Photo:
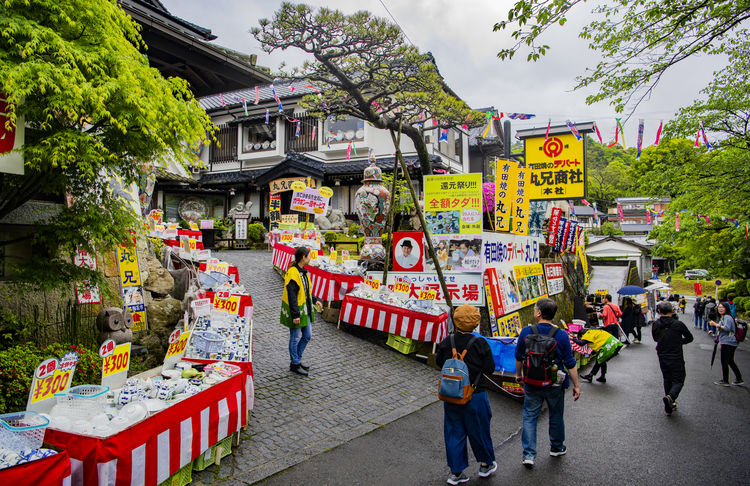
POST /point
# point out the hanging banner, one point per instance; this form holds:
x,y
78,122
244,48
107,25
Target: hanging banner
x,y
553,227
86,293
531,285
311,200
584,265
453,204
131,287
521,204
492,298
457,254
553,272
509,325
408,252
570,243
561,235
557,166
274,211
11,141
505,177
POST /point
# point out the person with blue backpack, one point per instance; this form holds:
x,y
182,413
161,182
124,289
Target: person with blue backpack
x,y
467,412
543,353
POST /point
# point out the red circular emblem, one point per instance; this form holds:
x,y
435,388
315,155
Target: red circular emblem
x,y
553,147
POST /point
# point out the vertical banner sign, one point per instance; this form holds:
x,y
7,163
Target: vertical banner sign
x,y
505,178
51,377
240,229
131,287
274,210
553,272
584,265
560,235
509,325
11,139
698,288
491,301
86,293
521,204
453,204
557,167
570,245
677,221
554,226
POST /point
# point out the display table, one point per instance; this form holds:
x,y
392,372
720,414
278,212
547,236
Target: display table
x,y
52,471
394,320
176,243
234,272
149,452
197,235
283,256
330,286
246,303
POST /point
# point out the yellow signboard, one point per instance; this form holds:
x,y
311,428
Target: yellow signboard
x,y
509,325
557,167
505,184
127,263
521,203
602,291
531,283
453,204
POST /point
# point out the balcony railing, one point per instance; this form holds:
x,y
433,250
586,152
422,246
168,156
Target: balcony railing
x,y
304,142
224,149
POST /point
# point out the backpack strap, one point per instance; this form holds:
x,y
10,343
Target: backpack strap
x,y
453,347
534,329
552,330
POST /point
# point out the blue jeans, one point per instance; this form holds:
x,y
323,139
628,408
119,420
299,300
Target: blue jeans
x,y
532,407
699,321
298,339
472,420
706,327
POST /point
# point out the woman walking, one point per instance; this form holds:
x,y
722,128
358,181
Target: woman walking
x,y
631,315
725,329
297,309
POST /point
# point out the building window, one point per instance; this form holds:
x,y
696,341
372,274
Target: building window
x,y
345,130
258,137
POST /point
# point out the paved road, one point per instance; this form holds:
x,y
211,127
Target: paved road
x,y
344,426
607,277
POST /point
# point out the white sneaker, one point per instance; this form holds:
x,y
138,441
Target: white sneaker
x,y
485,471
528,462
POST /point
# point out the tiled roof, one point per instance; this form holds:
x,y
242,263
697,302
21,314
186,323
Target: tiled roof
x,y
164,175
230,177
636,228
235,98
587,211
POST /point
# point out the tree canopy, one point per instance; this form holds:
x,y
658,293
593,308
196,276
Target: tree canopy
x,y
92,108
364,68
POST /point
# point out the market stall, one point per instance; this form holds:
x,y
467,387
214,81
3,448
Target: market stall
x,y
331,286
283,256
52,470
232,271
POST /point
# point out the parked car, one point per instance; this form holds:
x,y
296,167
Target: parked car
x,y
697,273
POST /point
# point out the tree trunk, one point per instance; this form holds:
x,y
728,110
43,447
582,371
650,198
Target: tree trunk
x,y
416,136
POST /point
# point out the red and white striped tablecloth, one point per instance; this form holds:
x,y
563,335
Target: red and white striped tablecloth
x,y
151,451
53,471
331,286
283,256
394,320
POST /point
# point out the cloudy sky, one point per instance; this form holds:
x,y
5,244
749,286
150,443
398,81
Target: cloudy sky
x,y
460,36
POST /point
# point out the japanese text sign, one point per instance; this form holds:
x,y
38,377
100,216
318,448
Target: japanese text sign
x,y
290,218
285,183
521,203
178,346
453,204
51,377
463,288
554,274
509,325
274,210
554,226
131,289
505,184
127,264
115,364
557,167
310,201
230,304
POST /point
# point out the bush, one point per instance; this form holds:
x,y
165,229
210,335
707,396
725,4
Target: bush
x,y
17,366
732,287
353,230
331,236
723,293
739,304
731,296
741,287
255,232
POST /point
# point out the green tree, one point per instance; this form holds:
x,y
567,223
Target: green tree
x,y
639,40
92,108
607,229
365,69
608,173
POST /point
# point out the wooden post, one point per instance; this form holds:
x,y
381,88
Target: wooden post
x,y
389,228
426,232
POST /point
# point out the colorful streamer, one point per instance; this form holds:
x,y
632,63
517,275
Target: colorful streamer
x,y
443,135
572,208
299,127
622,131
619,210
703,132
244,106
519,116
697,140
677,221
596,129
221,97
658,132
348,151
257,95
648,216
312,136
267,116
639,143
585,202
617,136
276,97
549,124
573,130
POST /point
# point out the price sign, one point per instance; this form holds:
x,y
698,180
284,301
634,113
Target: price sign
x,y
427,295
160,228
201,307
345,255
402,286
602,291
313,254
117,362
374,283
174,336
286,236
229,304
193,226
178,346
50,377
332,256
107,348
217,266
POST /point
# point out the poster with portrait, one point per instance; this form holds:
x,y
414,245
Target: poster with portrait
x,y
408,252
531,283
457,253
501,252
503,290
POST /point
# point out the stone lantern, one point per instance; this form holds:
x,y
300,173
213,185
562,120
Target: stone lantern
x,y
371,202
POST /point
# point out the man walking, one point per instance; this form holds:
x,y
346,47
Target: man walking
x,y
670,335
552,393
698,313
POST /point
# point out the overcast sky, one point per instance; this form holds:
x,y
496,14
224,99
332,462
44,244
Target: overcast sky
x,y
460,36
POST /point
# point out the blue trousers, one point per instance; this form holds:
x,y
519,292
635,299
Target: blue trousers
x,y
699,321
532,407
473,421
298,339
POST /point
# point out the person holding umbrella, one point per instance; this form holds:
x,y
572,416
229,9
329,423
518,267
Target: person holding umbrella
x,y
670,335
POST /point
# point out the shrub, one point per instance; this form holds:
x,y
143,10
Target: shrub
x,y
331,236
732,287
255,232
353,230
741,287
722,293
17,366
731,296
739,304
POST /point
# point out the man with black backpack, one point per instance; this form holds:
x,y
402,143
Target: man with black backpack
x,y
670,335
710,313
466,418
543,353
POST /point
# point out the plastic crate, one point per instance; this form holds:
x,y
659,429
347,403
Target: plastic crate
x,y
183,477
402,344
82,401
224,448
22,430
208,341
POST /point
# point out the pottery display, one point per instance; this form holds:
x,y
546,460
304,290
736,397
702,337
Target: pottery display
x,y
371,203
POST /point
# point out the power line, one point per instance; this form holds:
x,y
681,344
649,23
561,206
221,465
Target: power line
x,y
396,22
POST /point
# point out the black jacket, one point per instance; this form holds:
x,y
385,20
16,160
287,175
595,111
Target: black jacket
x,y
478,358
670,335
293,289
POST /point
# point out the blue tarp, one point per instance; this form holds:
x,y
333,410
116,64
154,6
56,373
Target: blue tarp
x,y
503,351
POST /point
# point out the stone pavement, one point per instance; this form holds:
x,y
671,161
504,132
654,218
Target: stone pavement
x,y
354,387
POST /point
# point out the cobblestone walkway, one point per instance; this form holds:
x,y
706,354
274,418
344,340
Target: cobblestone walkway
x,y
354,386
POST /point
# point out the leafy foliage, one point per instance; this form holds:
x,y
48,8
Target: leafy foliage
x,y
607,229
403,202
92,108
255,232
365,69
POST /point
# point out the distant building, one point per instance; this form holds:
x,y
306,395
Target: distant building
x,y
585,217
634,211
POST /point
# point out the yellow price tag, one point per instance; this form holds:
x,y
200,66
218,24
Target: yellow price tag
x,y
230,304
193,225
345,255
402,287
54,383
374,283
221,267
332,257
313,254
427,295
286,237
117,362
178,346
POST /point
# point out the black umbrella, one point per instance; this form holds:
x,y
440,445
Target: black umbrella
x,y
713,355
